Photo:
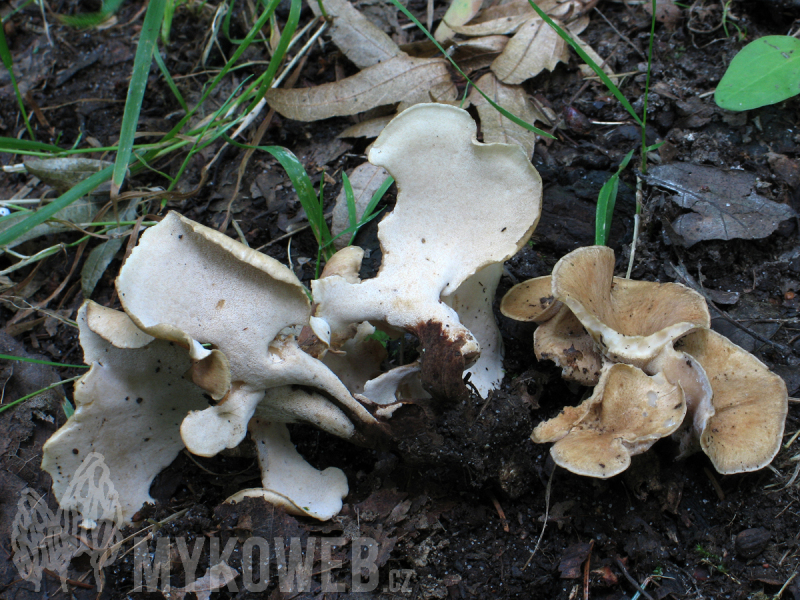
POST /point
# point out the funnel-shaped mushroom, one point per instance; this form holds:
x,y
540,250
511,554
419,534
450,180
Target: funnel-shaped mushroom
x,y
461,206
193,285
627,413
630,321
129,408
560,336
750,404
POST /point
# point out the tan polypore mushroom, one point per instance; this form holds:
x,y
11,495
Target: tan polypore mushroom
x,y
461,206
750,404
560,336
630,321
627,413
193,285
129,408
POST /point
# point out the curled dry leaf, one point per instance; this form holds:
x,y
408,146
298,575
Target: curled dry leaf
x,y
495,127
401,79
478,53
535,47
355,35
459,12
369,129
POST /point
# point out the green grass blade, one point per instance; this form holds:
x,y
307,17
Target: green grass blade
x,y
133,103
350,197
587,59
606,200
495,105
39,362
168,78
5,56
14,146
37,392
67,408
41,215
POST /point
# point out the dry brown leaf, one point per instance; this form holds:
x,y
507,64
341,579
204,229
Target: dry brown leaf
x,y
579,25
501,26
495,127
459,12
478,53
354,34
368,129
534,47
400,79
366,178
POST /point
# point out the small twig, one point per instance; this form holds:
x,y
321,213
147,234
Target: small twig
x,y
586,572
290,234
680,269
500,512
620,34
714,484
636,220
632,581
546,516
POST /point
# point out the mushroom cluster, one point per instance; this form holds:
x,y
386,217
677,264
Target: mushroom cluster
x,y
216,340
657,367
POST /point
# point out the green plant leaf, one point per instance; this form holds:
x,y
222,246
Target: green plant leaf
x,y
766,71
12,145
87,20
606,200
39,362
133,103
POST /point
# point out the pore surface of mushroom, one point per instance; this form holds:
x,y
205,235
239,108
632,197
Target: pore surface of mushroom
x,y
627,413
191,284
129,408
461,206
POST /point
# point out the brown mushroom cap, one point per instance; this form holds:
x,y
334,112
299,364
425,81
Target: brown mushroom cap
x,y
627,413
750,404
531,300
565,341
631,321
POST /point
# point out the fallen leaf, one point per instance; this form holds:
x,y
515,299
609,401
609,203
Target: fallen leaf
x,y
216,578
501,26
495,127
458,13
586,70
572,559
535,47
401,79
370,128
478,53
365,179
358,39
725,203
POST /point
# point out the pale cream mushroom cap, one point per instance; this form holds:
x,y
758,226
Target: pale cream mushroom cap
x,y
186,281
129,408
631,321
288,480
461,206
627,413
531,300
750,404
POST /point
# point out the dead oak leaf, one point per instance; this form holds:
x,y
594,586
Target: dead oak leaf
x,y
402,79
535,47
724,204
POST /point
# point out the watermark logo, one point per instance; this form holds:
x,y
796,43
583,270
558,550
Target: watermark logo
x,y
46,540
87,523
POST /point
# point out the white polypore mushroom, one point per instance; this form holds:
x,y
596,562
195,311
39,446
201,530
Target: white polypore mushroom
x,y
288,480
461,206
630,321
193,285
129,408
473,302
750,404
627,413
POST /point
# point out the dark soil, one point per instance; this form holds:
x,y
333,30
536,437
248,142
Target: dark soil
x,y
462,499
